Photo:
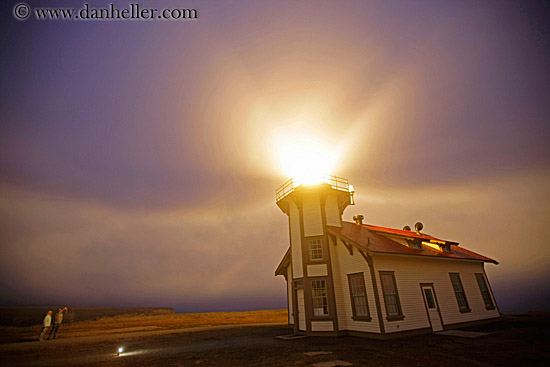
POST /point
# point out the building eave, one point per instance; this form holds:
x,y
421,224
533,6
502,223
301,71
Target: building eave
x,y
349,241
285,261
435,257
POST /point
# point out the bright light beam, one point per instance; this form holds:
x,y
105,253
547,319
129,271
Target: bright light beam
x,y
304,156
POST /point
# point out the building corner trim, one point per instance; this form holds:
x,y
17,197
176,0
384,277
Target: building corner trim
x,y
368,259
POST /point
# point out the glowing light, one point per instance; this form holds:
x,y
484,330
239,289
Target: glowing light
x,y
303,155
120,350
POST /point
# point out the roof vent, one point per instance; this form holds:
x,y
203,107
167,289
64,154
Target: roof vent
x,y
418,227
407,228
358,219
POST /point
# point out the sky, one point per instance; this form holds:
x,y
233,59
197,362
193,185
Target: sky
x,y
139,159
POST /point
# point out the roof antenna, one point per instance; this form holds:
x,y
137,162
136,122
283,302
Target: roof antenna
x,y
418,227
358,219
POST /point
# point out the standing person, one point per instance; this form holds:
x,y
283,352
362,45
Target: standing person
x,y
57,322
46,323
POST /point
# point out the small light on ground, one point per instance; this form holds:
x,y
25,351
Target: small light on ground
x,y
120,351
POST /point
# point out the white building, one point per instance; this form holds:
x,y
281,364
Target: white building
x,y
356,279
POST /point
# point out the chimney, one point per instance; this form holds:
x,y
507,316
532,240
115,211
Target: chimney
x,y
358,219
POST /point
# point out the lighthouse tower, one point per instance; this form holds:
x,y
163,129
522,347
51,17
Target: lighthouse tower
x,y
310,208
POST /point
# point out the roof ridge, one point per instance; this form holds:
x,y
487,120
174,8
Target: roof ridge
x,y
402,232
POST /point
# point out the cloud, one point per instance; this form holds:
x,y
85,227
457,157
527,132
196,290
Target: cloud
x,y
140,167
203,257
84,252
501,216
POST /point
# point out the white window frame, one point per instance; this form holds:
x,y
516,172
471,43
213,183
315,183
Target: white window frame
x,y
315,249
319,298
460,293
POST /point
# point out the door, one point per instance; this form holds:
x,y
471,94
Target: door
x,y
301,310
432,308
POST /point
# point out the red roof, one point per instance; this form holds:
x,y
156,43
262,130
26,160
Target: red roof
x,y
402,232
367,237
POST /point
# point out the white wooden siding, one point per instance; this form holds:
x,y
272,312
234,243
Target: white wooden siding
x,y
289,294
301,310
411,271
313,224
322,326
295,241
332,211
317,270
342,264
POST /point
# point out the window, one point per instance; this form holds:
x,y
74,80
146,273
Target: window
x,y
485,292
459,292
319,296
391,297
315,248
358,293
429,297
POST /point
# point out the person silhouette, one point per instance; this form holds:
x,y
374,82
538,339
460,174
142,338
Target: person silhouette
x,y
46,323
58,319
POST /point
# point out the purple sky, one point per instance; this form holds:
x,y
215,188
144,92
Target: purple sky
x,y
136,157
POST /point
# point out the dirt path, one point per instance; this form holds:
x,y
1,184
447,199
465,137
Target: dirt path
x,y
68,341
512,342
141,348
162,345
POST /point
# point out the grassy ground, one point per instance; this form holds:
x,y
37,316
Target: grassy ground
x,y
33,315
516,340
145,322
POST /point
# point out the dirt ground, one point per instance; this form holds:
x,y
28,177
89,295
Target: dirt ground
x,y
520,340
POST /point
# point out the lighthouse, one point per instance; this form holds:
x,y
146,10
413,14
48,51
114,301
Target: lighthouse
x,y
354,278
311,207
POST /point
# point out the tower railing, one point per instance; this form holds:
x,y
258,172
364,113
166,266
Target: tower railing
x,y
335,182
